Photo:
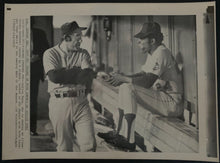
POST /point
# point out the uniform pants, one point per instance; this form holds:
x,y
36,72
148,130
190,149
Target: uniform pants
x,y
71,118
155,101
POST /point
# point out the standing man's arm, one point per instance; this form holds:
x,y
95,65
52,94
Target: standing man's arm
x,y
56,74
87,74
63,76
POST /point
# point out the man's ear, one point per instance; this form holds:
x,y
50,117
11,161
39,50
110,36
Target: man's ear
x,y
67,38
152,41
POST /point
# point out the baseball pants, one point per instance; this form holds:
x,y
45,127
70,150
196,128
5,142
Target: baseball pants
x,y
155,101
73,125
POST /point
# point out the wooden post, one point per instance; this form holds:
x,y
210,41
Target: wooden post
x,y
132,42
171,34
116,58
106,56
98,46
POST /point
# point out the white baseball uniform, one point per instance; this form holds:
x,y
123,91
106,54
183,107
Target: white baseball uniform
x,y
70,116
167,100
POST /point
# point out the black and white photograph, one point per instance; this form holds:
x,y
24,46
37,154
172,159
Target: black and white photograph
x,y
112,84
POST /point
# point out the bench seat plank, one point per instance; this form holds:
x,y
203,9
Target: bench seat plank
x,y
174,132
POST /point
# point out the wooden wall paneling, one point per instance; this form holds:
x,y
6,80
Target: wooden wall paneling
x,y
101,34
132,44
116,58
138,57
57,36
124,30
163,21
112,49
171,41
98,46
106,55
211,111
185,45
195,71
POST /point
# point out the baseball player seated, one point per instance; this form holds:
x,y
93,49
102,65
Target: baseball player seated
x,y
69,74
163,88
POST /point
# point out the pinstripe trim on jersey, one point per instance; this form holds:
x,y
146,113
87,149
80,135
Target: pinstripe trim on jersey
x,y
78,57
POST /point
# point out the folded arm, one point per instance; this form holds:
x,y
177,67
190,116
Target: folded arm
x,y
149,79
63,76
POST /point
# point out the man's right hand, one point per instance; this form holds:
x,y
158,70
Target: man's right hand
x,y
102,75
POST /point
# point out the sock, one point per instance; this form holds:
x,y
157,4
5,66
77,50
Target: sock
x,y
130,127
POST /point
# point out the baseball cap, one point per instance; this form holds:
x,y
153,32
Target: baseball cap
x,y
69,28
147,29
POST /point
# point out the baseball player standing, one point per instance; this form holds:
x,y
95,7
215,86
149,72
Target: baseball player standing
x,y
162,80
69,74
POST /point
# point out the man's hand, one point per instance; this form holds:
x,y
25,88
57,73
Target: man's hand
x,y
102,75
159,85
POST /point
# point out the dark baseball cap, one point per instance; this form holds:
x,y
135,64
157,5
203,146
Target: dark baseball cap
x,y
147,29
69,28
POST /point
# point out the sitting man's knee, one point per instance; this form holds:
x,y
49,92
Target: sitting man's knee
x,y
174,111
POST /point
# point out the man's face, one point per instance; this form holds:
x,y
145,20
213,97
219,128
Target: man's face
x,y
144,45
76,40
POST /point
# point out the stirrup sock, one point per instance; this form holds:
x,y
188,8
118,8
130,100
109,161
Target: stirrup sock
x,y
130,118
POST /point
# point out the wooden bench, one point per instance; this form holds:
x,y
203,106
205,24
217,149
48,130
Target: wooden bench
x,y
166,134
153,132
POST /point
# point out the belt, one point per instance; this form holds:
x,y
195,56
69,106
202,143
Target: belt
x,y
68,94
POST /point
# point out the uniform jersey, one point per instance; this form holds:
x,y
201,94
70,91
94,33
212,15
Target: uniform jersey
x,y
163,64
54,58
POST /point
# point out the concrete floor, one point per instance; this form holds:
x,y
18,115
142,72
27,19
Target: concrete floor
x,y
44,143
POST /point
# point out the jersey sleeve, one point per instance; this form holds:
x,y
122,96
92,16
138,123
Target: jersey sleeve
x,y
49,61
160,64
86,60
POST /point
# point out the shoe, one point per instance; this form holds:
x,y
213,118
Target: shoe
x,y
34,133
108,135
121,142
